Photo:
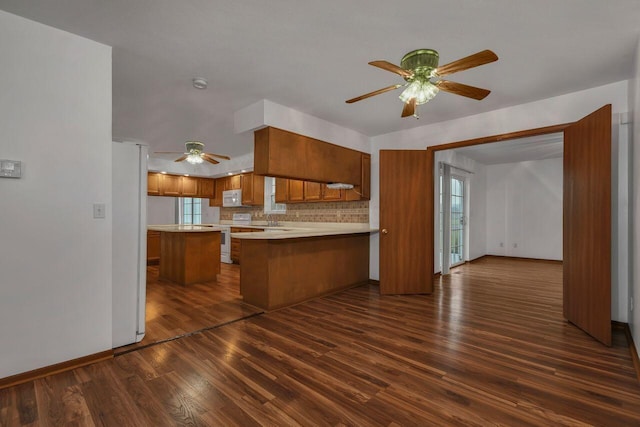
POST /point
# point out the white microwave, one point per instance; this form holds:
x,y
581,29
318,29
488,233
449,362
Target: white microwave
x,y
232,198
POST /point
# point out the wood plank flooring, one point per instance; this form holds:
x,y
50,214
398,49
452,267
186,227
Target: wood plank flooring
x,y
489,347
174,310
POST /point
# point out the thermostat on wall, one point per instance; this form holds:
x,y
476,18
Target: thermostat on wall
x,y
10,168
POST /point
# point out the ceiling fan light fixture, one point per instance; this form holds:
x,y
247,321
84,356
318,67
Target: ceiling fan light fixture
x,y
420,89
194,159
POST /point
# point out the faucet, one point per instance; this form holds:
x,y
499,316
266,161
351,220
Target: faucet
x,y
271,222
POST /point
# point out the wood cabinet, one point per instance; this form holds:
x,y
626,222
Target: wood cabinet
x,y
159,184
171,185
281,272
153,183
233,182
252,189
235,243
206,188
295,191
218,188
153,247
331,194
189,186
362,191
312,191
315,160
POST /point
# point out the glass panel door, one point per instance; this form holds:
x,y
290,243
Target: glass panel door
x,y
457,220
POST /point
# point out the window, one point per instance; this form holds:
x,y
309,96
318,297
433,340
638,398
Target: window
x,y
190,210
270,205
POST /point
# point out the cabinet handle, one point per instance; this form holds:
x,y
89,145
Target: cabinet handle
x,y
384,231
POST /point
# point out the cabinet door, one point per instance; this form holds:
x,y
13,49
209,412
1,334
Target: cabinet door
x,y
234,182
331,193
365,188
296,190
282,190
189,186
206,188
246,181
153,247
153,184
252,189
312,191
218,188
171,185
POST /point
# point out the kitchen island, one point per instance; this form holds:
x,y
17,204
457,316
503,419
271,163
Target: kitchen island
x,y
189,253
285,266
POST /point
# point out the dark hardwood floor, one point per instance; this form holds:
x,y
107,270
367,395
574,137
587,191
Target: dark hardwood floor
x,y
489,347
174,310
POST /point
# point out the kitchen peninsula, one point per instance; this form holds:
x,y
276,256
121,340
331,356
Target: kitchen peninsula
x,y
189,253
285,266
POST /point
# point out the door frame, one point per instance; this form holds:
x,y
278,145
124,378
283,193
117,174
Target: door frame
x,y
431,152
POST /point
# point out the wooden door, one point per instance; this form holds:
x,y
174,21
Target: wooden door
x,y
312,191
206,188
218,188
153,184
282,190
171,185
331,193
233,182
406,234
587,224
189,186
296,190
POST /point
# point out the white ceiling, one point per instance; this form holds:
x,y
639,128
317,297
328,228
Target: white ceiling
x,y
539,147
312,55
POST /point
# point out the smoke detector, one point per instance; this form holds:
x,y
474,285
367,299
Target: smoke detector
x,y
200,83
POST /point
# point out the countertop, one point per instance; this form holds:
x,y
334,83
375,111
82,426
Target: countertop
x,y
299,230
179,228
288,230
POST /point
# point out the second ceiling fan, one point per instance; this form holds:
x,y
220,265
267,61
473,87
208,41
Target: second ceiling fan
x,y
420,70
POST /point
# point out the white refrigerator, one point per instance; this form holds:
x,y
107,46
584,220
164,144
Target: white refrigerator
x,y
129,215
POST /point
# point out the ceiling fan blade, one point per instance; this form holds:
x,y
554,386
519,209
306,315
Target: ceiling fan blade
x,y
179,159
220,156
209,159
374,93
464,90
475,60
391,67
409,108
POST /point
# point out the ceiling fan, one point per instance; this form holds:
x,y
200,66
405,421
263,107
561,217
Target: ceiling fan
x,y
420,70
194,154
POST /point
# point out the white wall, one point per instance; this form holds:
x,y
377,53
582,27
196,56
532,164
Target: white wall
x,y
524,209
561,109
161,210
55,259
634,244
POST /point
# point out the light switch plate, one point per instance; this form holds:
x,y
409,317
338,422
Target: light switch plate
x,y
10,168
98,210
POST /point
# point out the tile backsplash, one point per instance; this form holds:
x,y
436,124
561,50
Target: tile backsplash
x,y
309,212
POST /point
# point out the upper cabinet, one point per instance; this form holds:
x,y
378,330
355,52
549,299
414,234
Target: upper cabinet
x,y
286,154
252,187
159,184
297,191
153,183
